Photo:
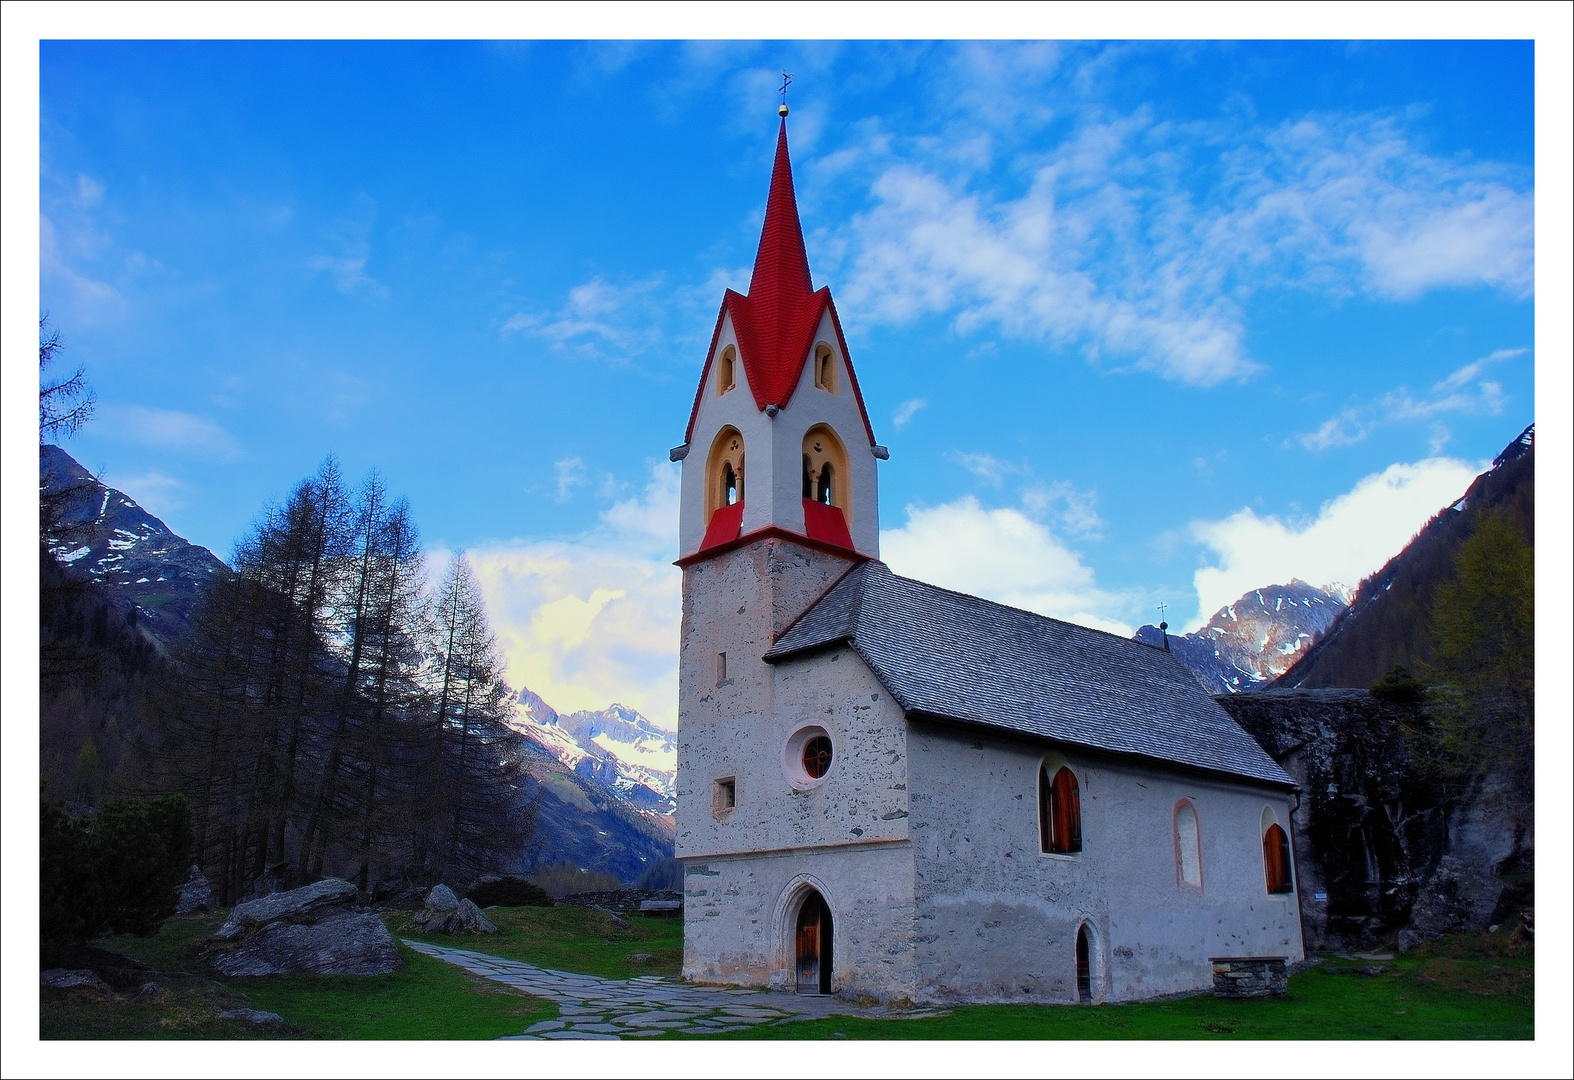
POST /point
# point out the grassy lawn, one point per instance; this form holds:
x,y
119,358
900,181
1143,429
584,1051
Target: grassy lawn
x,y
573,939
1468,987
1475,986
426,999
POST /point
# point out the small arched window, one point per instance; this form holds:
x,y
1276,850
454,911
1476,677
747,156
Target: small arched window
x,y
727,370
1276,859
825,368
1188,845
825,470
1059,811
724,484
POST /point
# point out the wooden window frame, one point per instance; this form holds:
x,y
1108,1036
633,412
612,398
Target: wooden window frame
x,y
1059,811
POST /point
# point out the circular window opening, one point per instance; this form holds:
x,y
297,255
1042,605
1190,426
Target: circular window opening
x,y
817,756
807,757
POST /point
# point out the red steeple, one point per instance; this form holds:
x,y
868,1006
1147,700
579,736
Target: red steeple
x,y
775,324
781,266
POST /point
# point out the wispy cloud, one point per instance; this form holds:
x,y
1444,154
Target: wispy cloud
x,y
168,429
570,474
1135,239
597,320
350,250
906,411
1455,394
987,467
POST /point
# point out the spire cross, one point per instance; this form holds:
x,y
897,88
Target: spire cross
x,y
782,90
1162,608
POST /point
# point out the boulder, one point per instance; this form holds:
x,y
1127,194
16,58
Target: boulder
x,y
337,942
62,979
195,895
441,898
463,918
297,905
1457,897
251,1016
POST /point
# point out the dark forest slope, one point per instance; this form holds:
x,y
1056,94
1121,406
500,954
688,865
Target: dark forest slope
x,y
1389,621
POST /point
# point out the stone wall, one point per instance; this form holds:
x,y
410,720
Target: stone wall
x,y
996,920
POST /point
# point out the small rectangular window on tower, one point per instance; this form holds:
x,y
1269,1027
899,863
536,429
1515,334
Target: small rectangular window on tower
x,y
721,668
726,795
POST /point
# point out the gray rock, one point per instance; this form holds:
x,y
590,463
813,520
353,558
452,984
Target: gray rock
x,y
441,898
150,989
1457,897
297,904
251,1016
338,943
195,895
463,918
638,958
62,979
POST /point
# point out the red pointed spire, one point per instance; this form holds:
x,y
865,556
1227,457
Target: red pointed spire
x,y
781,266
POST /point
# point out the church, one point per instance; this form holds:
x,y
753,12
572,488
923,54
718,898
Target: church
x,y
892,790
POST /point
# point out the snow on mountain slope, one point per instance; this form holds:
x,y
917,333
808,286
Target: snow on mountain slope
x,y
1253,641
616,746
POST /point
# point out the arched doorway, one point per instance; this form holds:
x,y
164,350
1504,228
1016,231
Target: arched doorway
x,y
814,945
1084,968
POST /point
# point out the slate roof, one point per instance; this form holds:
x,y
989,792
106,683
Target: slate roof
x,y
966,659
775,323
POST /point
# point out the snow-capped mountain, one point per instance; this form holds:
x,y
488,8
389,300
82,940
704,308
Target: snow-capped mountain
x,y
121,546
1253,641
616,746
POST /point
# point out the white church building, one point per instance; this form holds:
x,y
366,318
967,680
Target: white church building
x,y
890,789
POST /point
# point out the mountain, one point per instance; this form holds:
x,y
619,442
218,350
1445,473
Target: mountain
x,y
616,746
1248,644
133,556
1389,620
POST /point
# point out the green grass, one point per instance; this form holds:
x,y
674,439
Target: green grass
x,y
1475,986
573,939
425,999
1468,987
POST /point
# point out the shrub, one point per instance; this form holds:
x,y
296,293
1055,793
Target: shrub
x,y
116,871
508,892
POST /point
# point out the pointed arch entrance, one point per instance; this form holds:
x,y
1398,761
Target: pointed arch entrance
x,y
1084,966
812,945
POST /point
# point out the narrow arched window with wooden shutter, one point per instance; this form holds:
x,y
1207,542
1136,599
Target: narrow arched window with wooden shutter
x,y
1276,859
1059,811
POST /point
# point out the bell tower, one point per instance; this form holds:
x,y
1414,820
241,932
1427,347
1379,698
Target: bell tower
x,y
779,500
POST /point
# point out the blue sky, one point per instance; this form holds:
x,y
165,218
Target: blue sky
x,y
1141,323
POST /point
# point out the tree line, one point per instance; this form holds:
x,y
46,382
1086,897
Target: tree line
x,y
330,715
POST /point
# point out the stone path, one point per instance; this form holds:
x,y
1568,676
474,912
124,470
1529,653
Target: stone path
x,y
590,1007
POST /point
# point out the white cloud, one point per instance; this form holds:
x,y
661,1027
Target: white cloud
x,y
167,428
986,467
1136,240
155,492
598,320
1002,555
1076,514
594,619
570,474
1453,394
1351,537
906,411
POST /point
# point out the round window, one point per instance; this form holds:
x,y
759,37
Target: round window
x,y
807,757
817,756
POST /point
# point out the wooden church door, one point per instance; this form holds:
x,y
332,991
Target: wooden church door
x,y
814,946
1084,967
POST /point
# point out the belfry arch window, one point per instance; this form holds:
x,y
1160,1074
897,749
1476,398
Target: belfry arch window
x,y
825,473
1188,845
1276,855
724,472
1059,810
825,368
727,370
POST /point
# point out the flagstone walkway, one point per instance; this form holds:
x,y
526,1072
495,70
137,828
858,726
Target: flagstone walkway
x,y
590,1007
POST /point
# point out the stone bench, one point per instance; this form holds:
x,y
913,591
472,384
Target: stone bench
x,y
1249,976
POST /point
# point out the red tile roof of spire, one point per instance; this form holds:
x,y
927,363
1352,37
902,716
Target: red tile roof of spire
x,y
775,323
